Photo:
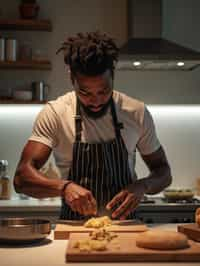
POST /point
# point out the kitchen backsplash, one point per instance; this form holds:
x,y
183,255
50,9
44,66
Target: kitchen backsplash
x,y
177,128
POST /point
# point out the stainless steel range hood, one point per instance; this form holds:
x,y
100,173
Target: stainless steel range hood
x,y
146,49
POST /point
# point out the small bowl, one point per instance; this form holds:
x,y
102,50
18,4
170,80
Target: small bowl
x,y
22,95
178,194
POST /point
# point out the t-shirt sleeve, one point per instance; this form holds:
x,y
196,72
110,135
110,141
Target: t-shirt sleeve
x,y
148,141
45,128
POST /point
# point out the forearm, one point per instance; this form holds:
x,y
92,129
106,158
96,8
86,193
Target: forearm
x,y
52,188
157,180
32,182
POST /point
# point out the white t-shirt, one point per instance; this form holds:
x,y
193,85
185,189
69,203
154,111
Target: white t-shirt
x,y
55,127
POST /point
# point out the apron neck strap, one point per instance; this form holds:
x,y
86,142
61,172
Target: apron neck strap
x,y
78,127
118,126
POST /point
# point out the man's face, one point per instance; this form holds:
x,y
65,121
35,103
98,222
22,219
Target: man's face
x,y
93,91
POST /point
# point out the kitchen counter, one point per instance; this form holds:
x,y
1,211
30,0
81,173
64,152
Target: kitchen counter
x,y
52,253
46,208
17,205
156,210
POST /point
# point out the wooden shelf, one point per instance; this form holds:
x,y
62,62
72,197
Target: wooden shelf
x,y
20,102
32,64
25,24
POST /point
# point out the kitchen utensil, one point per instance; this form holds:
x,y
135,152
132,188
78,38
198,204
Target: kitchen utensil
x,y
129,252
65,227
23,230
102,211
192,231
11,49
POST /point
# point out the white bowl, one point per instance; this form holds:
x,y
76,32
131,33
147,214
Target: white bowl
x,y
23,95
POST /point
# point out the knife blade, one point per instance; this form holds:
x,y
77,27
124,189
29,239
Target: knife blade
x,y
102,211
114,222
127,222
71,222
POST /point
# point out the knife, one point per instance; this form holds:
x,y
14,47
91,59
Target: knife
x,y
102,211
71,222
114,222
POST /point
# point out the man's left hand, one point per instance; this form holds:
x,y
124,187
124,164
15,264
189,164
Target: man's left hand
x,y
129,199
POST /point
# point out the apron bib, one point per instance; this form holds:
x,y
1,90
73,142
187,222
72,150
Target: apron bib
x,y
101,167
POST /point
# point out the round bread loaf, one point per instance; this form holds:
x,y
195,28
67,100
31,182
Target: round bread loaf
x,y
197,216
162,240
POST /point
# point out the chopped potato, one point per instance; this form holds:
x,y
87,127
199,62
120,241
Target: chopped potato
x,y
98,222
98,240
90,244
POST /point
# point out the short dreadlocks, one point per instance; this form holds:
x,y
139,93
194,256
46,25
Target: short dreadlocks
x,y
90,53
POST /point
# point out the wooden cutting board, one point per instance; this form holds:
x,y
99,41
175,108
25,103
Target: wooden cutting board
x,y
129,252
191,230
62,231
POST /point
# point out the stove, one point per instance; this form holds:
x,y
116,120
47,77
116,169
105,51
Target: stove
x,y
182,201
161,210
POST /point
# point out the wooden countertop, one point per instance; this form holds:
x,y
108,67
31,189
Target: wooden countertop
x,y
52,253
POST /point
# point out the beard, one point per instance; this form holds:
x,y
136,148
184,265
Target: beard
x,y
98,114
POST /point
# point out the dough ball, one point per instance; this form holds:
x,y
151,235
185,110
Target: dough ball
x,y
162,240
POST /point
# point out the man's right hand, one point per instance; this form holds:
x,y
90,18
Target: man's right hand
x,y
80,199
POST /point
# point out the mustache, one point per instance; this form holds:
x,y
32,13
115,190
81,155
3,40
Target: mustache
x,y
92,106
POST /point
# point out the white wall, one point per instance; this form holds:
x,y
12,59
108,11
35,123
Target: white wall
x,y
177,128
180,23
16,122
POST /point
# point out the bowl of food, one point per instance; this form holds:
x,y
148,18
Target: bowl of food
x,y
178,194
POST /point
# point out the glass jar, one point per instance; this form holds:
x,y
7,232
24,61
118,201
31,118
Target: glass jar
x,y
2,49
5,184
11,49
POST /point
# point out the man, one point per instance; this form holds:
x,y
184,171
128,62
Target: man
x,y
94,132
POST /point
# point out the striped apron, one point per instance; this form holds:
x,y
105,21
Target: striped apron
x,y
100,167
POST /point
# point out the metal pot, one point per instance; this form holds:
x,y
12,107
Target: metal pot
x,y
23,230
39,90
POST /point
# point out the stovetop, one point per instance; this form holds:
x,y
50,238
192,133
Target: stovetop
x,y
182,201
165,201
162,204
161,210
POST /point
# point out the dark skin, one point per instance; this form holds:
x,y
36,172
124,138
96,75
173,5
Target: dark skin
x,y
30,181
93,92
158,179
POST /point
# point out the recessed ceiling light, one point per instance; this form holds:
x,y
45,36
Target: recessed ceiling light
x,y
180,64
136,63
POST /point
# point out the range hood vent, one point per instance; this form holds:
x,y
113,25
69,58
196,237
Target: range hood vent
x,y
146,49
